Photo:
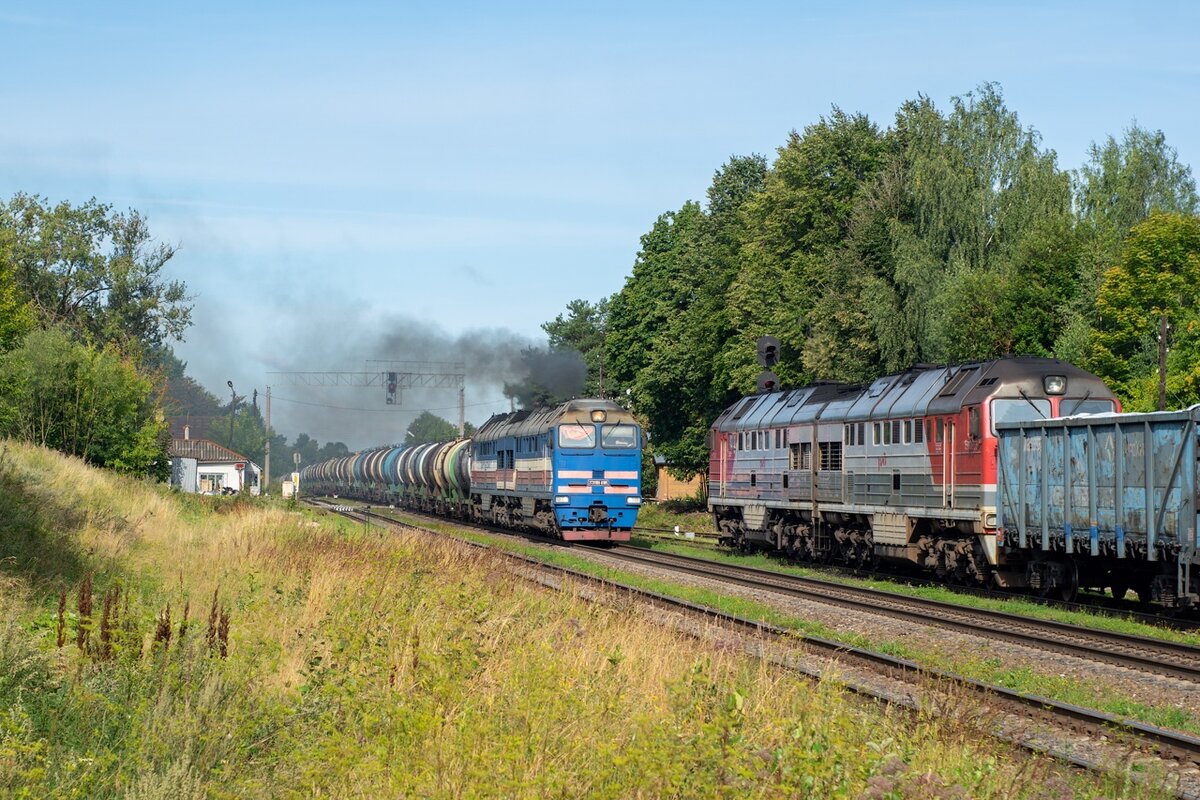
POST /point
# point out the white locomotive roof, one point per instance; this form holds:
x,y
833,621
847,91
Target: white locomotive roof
x,y
538,421
920,391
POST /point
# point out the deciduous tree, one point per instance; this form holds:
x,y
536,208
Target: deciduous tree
x,y
429,427
1155,280
88,402
94,270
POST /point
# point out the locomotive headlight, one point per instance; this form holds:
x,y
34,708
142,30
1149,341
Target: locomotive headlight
x,y
562,500
633,501
599,415
1054,384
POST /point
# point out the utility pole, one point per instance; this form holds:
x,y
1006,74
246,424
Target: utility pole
x,y
1162,362
267,447
232,408
462,412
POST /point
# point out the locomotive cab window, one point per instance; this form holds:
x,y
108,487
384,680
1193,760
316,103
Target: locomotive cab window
x,y
974,427
1022,410
576,435
619,436
1070,406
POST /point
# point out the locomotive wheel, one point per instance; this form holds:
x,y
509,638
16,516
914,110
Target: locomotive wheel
x,y
1070,587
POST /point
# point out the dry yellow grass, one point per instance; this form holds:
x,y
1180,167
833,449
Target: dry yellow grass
x,y
364,664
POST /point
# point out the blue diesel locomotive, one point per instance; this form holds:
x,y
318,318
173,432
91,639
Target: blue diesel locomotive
x,y
572,471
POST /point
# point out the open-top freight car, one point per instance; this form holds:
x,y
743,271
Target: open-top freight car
x,y
1103,500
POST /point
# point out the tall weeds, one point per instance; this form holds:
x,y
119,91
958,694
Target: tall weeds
x,y
366,666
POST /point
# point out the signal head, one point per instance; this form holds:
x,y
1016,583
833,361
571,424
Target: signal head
x,y
768,351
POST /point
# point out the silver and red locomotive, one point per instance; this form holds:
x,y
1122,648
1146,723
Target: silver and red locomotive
x,y
903,469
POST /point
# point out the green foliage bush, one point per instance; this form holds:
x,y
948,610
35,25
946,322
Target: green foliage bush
x,y
89,402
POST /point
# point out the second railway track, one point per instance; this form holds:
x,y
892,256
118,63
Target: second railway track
x,y
1157,656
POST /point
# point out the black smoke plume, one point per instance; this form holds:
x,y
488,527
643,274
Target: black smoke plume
x,y
551,376
502,368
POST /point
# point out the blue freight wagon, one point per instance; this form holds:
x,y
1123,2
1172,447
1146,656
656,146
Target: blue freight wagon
x,y
1102,500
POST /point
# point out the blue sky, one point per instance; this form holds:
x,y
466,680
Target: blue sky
x,y
334,175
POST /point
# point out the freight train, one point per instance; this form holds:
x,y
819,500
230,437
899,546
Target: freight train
x,y
907,469
572,471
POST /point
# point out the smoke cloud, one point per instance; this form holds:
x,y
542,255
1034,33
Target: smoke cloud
x,y
502,368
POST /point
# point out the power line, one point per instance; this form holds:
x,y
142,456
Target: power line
x,y
385,410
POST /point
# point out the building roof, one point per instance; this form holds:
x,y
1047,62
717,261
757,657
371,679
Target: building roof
x,y
204,450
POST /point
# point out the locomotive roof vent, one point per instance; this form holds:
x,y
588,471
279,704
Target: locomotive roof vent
x,y
955,383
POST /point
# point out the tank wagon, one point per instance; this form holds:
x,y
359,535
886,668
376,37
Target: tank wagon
x,y
1103,500
903,469
572,471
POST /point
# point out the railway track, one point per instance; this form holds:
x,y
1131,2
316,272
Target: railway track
x,y
1102,606
1172,746
1154,656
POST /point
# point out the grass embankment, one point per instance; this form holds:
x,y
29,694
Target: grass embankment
x,y
367,664
1047,682
689,515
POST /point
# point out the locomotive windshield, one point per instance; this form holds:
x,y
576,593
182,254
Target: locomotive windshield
x,y
619,437
1071,406
577,434
1023,410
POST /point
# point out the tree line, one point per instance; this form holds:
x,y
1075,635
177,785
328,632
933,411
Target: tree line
x,y
951,235
87,322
